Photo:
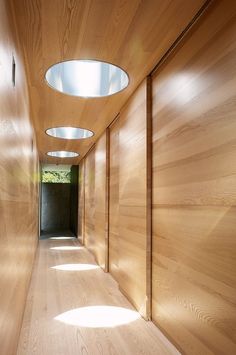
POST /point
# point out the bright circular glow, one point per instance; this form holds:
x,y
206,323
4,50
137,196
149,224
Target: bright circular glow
x,y
86,78
98,316
62,238
69,132
63,154
75,267
66,248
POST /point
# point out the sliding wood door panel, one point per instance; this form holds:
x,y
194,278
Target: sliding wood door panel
x,y
194,188
96,201
89,229
81,199
100,201
114,201
132,199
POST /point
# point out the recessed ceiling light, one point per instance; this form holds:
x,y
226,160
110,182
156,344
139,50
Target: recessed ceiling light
x,y
86,78
69,132
63,154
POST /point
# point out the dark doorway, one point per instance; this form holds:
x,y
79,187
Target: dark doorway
x,y
59,199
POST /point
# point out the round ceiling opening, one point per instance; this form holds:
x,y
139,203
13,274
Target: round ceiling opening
x,y
87,78
69,132
63,154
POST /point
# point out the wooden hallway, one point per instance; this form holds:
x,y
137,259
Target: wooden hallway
x,y
118,166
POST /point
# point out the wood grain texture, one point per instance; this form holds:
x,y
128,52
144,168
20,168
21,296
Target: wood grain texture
x,y
89,205
149,197
62,291
114,201
100,215
194,188
81,199
18,188
133,199
96,201
107,200
127,201
132,34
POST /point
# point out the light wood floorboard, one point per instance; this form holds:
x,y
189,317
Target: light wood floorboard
x,y
53,292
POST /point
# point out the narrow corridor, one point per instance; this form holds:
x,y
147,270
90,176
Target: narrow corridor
x,y
72,308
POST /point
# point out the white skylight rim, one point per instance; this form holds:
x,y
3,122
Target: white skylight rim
x,y
69,132
63,154
87,78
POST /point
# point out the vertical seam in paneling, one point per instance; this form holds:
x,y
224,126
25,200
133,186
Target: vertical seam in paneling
x,y
149,196
107,199
83,219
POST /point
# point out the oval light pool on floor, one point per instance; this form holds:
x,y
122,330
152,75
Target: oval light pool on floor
x,y
75,267
66,248
98,316
86,78
62,238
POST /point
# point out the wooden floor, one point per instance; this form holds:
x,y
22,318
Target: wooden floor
x,y
93,325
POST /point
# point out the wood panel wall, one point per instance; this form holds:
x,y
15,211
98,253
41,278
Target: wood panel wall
x,y
114,201
18,187
100,201
81,199
89,201
194,190
133,199
96,201
194,194
127,200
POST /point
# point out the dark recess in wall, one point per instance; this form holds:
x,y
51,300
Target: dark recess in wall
x,y
55,207
59,205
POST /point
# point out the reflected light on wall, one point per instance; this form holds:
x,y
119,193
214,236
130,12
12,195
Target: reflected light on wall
x,y
100,156
66,248
75,267
62,238
98,316
15,151
183,86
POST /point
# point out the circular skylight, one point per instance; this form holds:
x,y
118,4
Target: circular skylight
x,y
86,78
69,132
63,154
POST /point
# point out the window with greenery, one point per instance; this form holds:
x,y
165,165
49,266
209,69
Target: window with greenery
x,y
56,176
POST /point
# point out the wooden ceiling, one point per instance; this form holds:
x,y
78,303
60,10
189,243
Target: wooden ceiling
x,y
132,34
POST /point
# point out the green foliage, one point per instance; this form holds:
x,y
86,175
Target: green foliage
x,y
56,176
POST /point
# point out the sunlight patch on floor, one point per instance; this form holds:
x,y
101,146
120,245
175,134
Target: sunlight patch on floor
x,y
67,247
98,316
62,238
75,267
